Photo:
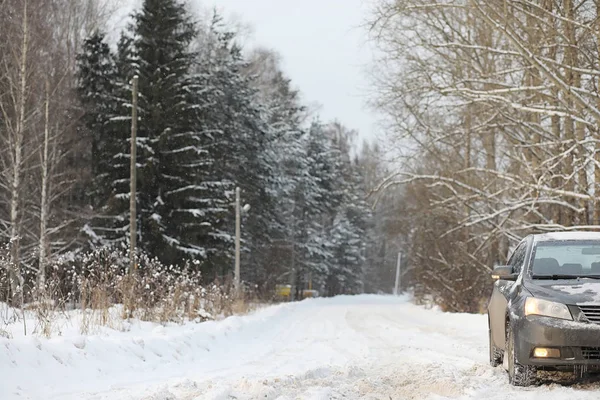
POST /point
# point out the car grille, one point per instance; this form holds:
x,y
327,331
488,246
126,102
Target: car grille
x,y
592,313
590,353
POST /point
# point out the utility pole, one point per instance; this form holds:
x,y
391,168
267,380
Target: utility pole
x,y
133,178
398,264
293,277
293,251
237,241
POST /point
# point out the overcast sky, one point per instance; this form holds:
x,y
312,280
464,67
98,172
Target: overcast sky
x,y
323,46
324,50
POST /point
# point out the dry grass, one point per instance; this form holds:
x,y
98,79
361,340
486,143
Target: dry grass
x,y
45,316
240,307
99,285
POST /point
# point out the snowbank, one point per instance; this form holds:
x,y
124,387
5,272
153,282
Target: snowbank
x,y
38,368
363,347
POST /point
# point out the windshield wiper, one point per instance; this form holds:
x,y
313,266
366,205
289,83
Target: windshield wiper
x,y
557,276
564,276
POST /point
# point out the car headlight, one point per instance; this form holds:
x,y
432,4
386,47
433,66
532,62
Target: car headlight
x,y
547,308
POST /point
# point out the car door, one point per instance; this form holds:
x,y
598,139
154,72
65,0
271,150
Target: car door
x,y
499,301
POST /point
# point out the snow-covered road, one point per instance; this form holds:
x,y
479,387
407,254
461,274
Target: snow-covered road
x,y
364,347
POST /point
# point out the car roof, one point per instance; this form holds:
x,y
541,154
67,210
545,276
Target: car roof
x,y
573,235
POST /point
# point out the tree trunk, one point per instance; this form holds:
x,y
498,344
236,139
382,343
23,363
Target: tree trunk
x,y
43,243
17,165
596,218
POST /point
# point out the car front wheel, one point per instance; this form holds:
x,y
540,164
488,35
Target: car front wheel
x,y
518,374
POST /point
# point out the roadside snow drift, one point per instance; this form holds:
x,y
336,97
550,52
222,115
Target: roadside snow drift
x,y
363,347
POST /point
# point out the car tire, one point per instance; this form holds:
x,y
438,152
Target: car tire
x,y
518,374
496,355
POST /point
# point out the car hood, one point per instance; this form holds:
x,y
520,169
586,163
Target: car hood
x,y
581,291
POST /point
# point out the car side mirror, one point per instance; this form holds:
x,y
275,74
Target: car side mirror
x,y
503,273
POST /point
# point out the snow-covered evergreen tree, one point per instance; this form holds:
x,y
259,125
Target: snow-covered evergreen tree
x,y
350,214
382,239
316,196
100,92
210,121
97,75
345,274
235,120
180,203
349,233
284,159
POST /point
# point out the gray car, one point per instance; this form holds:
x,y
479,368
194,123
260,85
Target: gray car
x,y
544,313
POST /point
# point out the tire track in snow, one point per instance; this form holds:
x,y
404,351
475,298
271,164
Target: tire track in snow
x,y
412,354
364,347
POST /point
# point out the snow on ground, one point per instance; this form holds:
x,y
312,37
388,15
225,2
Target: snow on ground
x,y
363,347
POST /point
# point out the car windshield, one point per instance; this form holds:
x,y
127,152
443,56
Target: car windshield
x,y
573,257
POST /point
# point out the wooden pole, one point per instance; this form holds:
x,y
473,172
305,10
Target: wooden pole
x,y
133,178
237,241
44,199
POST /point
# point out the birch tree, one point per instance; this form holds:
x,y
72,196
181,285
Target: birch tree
x,y
38,200
501,100
16,87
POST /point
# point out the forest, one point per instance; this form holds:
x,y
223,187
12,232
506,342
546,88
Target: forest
x,y
494,109
212,116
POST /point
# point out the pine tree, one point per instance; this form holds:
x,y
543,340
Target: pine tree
x,y
284,157
381,241
99,89
316,197
181,197
237,119
208,123
348,214
176,199
345,275
349,234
